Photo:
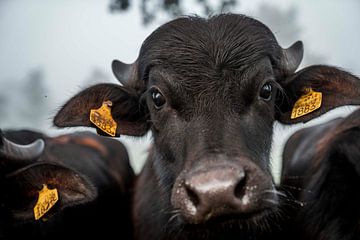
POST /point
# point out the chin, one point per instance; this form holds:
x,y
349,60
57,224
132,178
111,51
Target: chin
x,y
256,225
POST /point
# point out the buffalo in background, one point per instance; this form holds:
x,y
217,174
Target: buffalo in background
x,y
91,174
321,169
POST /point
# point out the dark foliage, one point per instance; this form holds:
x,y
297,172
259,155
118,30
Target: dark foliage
x,y
150,9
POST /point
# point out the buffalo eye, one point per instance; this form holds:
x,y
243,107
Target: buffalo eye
x,y
266,92
157,97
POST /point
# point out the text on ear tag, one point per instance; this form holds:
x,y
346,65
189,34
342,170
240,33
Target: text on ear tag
x,y
47,199
307,103
103,119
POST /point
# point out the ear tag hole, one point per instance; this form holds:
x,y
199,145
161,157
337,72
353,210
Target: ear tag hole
x,y
103,119
307,103
47,199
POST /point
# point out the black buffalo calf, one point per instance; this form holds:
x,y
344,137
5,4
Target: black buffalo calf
x,y
90,175
322,170
209,90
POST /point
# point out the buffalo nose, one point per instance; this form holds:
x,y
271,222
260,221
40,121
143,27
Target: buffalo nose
x,y
215,192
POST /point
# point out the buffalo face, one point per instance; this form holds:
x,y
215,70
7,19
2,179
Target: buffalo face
x,y
209,90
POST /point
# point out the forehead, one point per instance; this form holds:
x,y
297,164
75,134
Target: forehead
x,y
204,81
191,91
206,47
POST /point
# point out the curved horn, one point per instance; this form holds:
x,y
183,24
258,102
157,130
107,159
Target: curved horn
x,y
122,71
15,151
291,58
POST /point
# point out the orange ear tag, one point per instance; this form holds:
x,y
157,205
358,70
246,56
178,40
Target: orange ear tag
x,y
47,199
307,103
103,119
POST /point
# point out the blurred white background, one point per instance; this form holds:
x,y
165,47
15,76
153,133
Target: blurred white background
x,y
49,50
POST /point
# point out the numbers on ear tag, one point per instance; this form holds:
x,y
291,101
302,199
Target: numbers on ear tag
x,y
307,103
103,119
47,199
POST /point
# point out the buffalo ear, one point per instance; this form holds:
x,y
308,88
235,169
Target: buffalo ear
x,y
20,189
337,87
127,110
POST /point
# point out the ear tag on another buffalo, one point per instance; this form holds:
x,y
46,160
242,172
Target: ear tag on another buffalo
x,y
307,103
103,119
47,199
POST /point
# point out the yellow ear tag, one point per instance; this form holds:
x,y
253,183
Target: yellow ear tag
x,y
103,119
307,103
47,199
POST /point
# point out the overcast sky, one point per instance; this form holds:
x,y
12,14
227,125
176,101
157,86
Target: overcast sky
x,y
68,39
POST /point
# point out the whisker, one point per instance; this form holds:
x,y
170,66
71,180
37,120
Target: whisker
x,y
271,201
302,204
174,213
277,192
286,197
173,217
293,177
296,188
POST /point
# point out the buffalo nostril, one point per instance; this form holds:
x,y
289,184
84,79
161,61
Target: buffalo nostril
x,y
240,189
193,197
